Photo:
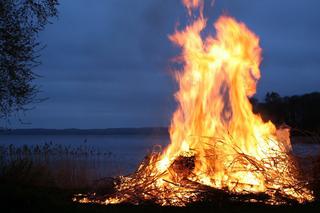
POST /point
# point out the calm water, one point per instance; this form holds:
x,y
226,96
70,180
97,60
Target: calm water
x,y
120,154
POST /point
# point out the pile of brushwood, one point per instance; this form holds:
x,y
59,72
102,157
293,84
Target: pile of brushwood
x,y
26,187
140,188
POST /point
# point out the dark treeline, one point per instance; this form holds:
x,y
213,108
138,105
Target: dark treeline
x,y
300,112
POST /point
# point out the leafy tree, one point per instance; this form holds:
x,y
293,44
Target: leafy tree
x,y
20,23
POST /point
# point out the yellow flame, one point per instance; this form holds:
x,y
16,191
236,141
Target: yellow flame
x,y
214,115
216,139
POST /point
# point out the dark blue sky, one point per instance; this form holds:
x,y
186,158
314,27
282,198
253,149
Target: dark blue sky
x,y
107,63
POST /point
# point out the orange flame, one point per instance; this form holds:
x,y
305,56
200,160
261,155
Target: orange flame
x,y
193,4
216,139
214,120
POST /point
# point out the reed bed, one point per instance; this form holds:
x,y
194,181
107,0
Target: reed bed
x,y
65,166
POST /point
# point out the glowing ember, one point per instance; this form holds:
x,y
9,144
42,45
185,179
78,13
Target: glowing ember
x,y
217,142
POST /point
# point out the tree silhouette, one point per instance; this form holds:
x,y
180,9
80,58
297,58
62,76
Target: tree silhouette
x,y
20,23
272,97
301,112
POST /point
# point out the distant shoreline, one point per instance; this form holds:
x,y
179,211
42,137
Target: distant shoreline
x,y
108,131
143,131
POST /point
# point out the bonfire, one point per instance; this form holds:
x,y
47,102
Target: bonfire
x,y
219,149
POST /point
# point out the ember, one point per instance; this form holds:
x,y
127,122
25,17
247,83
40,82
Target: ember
x,y
182,167
219,147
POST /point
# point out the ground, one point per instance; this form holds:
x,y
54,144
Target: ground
x,y
22,198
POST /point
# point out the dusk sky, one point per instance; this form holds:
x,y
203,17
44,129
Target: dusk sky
x,y
107,63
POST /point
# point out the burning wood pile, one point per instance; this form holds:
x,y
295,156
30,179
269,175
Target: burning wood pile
x,y
220,149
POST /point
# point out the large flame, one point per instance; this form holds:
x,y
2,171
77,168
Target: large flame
x,y
214,121
214,111
216,139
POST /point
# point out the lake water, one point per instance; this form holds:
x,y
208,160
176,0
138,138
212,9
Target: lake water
x,y
119,155
133,145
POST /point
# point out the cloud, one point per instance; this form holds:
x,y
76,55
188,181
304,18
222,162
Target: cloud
x,y
107,63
